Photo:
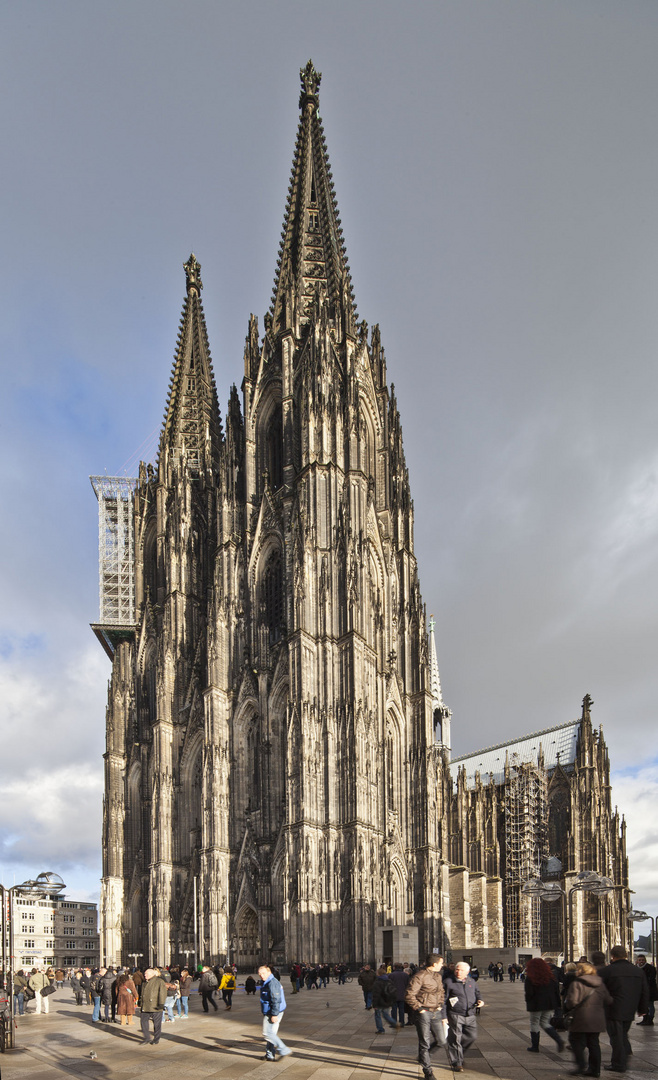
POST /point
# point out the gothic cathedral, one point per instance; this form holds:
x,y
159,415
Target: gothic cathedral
x,y
277,770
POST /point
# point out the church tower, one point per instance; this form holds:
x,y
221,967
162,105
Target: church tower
x,y
274,784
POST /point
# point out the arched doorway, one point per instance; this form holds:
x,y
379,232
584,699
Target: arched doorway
x,y
246,930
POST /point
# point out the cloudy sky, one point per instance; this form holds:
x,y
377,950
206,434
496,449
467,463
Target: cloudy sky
x,y
496,167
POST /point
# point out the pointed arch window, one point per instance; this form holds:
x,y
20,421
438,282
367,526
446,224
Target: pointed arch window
x,y
274,449
273,596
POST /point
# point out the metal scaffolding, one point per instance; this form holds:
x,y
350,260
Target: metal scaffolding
x,y
525,830
116,549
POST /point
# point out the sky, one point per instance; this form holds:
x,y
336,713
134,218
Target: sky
x,y
496,170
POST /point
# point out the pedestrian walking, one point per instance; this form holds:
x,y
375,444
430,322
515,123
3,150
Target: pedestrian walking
x,y
207,986
272,1005
97,995
366,981
77,987
184,999
462,999
227,986
384,994
542,998
400,980
20,986
585,1002
649,972
154,995
426,996
630,997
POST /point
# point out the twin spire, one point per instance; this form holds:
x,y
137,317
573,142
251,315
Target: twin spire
x,y
312,265
312,271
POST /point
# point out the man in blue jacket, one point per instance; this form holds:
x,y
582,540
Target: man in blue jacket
x,y
462,999
272,1004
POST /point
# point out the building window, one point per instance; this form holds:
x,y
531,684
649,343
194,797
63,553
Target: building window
x,y
70,930
275,449
273,596
313,221
69,961
87,933
28,944
70,944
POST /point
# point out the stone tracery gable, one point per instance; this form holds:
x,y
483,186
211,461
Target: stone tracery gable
x,y
248,871
269,530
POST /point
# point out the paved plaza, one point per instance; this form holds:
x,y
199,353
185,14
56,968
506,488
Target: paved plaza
x,y
332,1036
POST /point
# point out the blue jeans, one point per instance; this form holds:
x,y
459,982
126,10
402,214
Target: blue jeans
x,y
272,1040
367,997
398,1011
169,1008
387,1017
184,1003
19,1004
96,1015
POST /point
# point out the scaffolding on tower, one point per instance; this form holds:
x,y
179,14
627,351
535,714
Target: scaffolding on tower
x,y
116,560
525,841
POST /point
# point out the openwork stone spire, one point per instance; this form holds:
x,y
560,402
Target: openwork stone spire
x,y
440,710
312,266
192,427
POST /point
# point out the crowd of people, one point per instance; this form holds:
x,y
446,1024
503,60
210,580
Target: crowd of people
x,y
576,1000
589,998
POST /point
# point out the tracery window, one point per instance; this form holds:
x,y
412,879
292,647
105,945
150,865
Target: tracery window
x,y
273,596
274,448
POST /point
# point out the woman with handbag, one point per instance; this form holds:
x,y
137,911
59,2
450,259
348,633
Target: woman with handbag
x,y
585,1004
542,998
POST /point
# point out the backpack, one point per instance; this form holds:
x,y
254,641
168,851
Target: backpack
x,y
211,979
390,992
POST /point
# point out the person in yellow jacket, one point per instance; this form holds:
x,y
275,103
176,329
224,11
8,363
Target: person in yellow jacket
x,y
227,986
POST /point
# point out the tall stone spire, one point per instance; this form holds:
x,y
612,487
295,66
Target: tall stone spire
x,y
192,426
440,711
312,265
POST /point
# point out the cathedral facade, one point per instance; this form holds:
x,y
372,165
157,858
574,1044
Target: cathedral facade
x,y
278,778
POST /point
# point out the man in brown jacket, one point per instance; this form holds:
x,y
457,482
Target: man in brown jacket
x,y
426,997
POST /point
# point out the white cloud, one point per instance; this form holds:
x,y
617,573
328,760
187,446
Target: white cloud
x,y
51,781
636,793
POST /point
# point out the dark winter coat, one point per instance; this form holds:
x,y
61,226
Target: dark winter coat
x,y
541,997
466,993
400,981
105,984
383,993
586,1000
629,989
367,980
154,994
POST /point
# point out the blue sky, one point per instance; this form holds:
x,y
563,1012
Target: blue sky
x,y
496,170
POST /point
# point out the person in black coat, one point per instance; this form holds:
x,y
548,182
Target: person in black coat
x,y
650,975
630,995
542,998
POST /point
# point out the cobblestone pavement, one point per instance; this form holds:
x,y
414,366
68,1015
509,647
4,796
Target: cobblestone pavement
x,y
331,1034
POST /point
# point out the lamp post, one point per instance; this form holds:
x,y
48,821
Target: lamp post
x,y
550,892
641,916
590,882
